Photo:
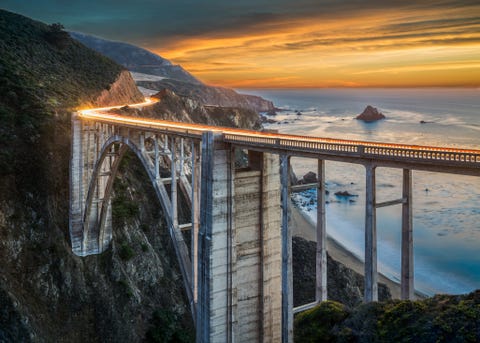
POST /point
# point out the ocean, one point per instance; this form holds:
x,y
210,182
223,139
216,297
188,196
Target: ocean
x,y
446,220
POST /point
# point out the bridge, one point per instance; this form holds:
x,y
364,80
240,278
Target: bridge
x,y
237,264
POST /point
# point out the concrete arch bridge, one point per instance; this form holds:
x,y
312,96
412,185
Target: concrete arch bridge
x,y
237,269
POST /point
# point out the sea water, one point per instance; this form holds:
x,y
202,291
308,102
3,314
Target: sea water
x,y
446,218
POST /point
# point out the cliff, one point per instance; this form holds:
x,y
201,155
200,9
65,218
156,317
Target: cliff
x,y
122,91
46,293
211,96
184,109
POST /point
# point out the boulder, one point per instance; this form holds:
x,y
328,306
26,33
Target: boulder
x,y
370,114
309,177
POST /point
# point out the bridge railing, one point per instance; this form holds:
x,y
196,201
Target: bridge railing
x,y
303,144
358,148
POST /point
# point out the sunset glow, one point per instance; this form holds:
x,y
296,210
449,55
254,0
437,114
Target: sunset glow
x,y
291,44
384,48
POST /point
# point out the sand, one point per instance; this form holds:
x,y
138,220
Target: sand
x,y
304,228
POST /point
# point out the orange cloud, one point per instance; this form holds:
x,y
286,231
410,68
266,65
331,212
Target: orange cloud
x,y
377,49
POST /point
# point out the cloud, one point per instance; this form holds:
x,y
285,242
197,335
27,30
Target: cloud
x,y
284,42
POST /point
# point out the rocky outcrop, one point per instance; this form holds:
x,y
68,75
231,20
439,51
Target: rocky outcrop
x,y
122,91
309,177
179,108
211,96
344,285
370,114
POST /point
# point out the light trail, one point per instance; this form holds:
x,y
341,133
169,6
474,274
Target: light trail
x,y
147,102
293,144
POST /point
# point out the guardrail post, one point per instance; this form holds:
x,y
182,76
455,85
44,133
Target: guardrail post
x,y
371,276
407,282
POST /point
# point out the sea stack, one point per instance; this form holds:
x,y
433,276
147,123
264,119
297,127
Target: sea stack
x,y
370,114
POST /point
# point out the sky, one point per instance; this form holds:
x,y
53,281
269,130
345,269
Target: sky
x,y
289,43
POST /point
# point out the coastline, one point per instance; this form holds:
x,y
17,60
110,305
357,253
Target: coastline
x,y
303,227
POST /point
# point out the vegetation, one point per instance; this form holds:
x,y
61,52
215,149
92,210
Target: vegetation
x,y
166,327
124,209
125,251
46,293
443,318
43,75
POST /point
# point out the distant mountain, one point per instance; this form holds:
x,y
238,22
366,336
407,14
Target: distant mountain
x,y
135,58
170,76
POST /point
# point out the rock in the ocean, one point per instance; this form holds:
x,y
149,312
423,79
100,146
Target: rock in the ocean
x,y
309,177
370,114
345,194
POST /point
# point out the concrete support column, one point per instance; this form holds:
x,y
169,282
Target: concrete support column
x,y
142,142
156,160
271,250
173,185
257,251
407,282
182,156
195,210
214,312
371,276
287,283
77,201
321,256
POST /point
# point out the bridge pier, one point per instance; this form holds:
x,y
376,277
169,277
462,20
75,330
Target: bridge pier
x,y
371,275
407,266
239,271
287,273
321,253
407,279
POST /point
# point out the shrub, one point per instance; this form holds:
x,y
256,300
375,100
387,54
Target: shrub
x,y
125,252
166,327
317,324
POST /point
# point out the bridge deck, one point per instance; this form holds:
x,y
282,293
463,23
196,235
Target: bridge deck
x,y
441,159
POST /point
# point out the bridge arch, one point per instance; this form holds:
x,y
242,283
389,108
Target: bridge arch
x,y
96,158
118,146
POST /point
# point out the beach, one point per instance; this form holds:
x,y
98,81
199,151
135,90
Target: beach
x,y
303,227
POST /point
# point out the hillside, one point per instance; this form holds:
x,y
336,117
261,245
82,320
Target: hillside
x,y
175,77
46,293
211,96
135,58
